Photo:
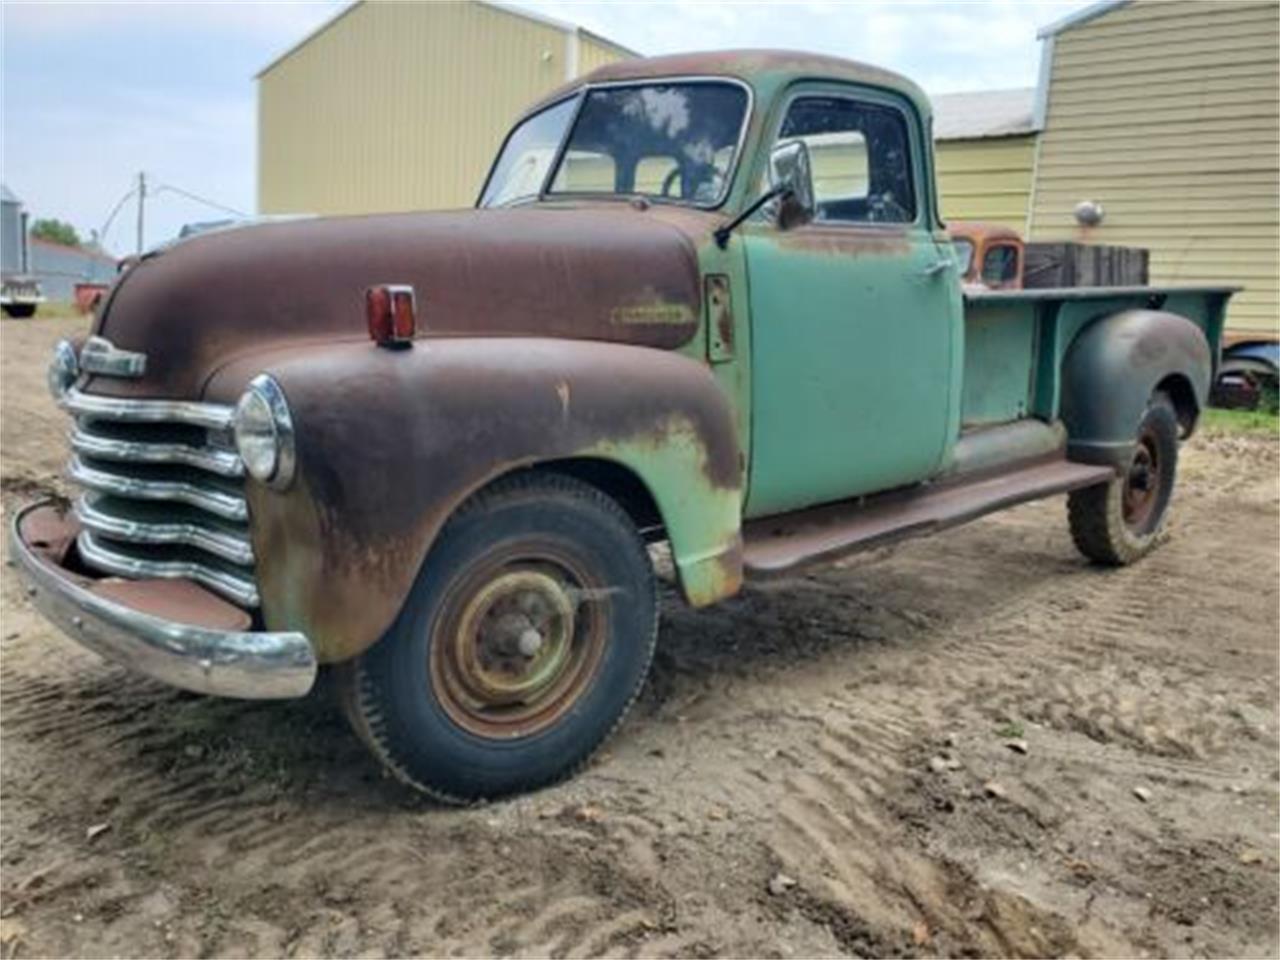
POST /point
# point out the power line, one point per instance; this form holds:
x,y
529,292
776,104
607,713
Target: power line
x,y
145,187
114,210
199,199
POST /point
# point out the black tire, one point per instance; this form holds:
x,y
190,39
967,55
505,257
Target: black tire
x,y
1121,521
20,311
451,699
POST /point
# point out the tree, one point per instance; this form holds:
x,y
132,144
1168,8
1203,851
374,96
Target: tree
x,y
56,231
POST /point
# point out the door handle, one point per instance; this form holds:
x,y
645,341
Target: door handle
x,y
937,268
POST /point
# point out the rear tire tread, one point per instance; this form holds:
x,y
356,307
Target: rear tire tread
x,y
1094,513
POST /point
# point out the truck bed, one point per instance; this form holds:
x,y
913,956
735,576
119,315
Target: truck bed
x,y
1015,340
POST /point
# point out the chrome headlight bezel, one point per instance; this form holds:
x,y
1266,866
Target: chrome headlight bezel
x,y
263,430
64,369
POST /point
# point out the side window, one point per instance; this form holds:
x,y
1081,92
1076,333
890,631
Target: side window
x,y
964,256
1000,265
860,159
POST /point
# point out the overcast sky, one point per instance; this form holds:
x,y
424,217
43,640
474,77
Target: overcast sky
x,y
93,93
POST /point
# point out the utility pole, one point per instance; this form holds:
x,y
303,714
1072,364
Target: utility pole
x,y
142,197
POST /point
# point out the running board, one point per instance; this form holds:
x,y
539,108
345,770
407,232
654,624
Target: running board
x,y
779,544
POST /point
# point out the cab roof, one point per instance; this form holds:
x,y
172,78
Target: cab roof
x,y
765,71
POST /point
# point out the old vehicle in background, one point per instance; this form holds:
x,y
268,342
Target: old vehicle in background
x,y
1249,376
990,255
995,257
88,296
430,450
20,291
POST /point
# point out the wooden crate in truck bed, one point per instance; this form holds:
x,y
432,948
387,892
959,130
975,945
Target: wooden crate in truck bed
x,y
1084,265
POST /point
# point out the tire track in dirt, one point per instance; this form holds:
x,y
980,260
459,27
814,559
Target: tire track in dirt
x,y
837,833
264,858
789,730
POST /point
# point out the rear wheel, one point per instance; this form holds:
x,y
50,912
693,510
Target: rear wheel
x,y
527,635
1118,522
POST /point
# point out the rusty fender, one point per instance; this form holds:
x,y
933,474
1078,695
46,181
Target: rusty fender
x,y
1110,371
391,442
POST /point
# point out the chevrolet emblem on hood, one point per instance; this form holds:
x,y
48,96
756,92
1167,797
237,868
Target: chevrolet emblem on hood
x,y
99,355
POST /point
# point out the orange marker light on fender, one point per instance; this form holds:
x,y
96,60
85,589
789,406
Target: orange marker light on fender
x,y
391,315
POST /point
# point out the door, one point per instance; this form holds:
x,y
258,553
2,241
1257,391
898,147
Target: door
x,y
855,317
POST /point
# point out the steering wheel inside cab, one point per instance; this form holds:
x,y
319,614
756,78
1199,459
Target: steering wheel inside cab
x,y
701,180
670,180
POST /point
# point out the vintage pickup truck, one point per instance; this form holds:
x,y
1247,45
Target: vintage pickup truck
x,y
703,299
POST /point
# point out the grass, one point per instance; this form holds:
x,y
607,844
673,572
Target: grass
x,y
1216,420
57,308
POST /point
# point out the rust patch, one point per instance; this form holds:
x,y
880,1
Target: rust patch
x,y
719,318
600,271
180,601
843,241
729,574
390,443
50,531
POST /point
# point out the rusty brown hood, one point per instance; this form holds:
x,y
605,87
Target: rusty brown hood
x,y
602,272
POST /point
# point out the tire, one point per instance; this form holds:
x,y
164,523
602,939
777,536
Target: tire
x,y
20,311
1121,521
525,639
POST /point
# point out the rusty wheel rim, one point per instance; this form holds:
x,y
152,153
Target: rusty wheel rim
x,y
1142,483
515,647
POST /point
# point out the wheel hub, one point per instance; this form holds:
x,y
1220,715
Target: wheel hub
x,y
515,633
1142,483
515,647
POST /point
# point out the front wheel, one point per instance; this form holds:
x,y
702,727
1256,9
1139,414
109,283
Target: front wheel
x,y
525,639
1118,522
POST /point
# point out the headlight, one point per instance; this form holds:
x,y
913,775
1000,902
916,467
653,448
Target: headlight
x,y
264,433
64,368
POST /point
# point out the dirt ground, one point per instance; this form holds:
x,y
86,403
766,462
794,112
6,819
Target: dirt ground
x,y
970,744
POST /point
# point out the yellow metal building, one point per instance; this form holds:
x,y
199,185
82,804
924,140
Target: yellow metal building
x,y
401,106
986,144
1168,115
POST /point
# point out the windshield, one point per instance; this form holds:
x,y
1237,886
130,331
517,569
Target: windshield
x,y
526,157
671,141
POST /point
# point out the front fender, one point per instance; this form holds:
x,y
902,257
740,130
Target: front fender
x,y
1110,371
390,443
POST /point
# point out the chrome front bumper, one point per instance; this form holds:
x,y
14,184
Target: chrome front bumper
x,y
230,663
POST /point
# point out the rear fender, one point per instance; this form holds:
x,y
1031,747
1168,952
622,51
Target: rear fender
x,y
1110,371
390,443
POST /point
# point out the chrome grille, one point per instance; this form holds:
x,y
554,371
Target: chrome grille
x,y
164,492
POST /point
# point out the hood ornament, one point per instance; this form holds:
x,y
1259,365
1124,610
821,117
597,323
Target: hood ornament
x,y
99,355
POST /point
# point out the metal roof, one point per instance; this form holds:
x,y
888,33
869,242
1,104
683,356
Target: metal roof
x,y
494,4
1091,12
987,113
6,195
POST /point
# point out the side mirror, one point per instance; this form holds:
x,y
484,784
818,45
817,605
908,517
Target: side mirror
x,y
791,176
790,193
